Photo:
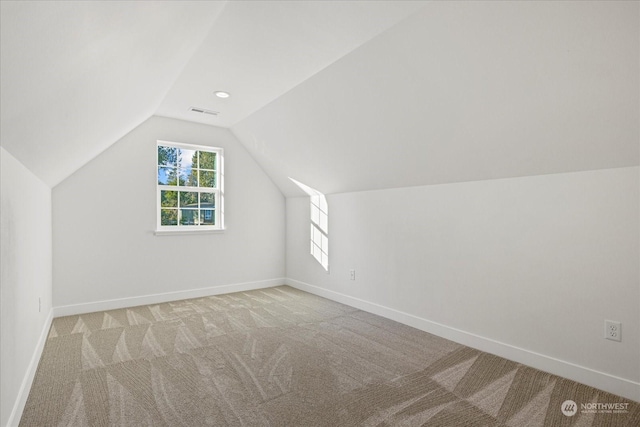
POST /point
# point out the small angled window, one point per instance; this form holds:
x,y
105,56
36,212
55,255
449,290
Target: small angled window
x,y
319,230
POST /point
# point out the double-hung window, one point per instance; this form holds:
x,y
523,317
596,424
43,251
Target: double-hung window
x,y
320,229
190,195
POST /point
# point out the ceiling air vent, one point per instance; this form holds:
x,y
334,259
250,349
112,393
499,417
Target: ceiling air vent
x,y
203,111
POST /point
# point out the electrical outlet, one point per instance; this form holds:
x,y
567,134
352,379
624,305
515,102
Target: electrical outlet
x,y
352,274
612,330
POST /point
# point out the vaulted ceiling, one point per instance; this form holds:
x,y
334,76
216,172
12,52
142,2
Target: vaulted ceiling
x,y
342,96
77,76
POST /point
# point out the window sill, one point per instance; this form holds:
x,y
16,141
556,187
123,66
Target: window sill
x,y
184,232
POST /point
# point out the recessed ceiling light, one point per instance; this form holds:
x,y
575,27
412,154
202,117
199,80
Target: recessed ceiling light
x,y
222,94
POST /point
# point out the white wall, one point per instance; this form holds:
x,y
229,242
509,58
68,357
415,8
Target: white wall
x,y
104,216
535,262
25,262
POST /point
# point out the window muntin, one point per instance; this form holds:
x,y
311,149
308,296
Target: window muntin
x,y
189,187
320,229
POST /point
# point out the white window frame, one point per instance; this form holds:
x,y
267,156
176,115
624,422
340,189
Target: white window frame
x,y
218,192
319,234
319,231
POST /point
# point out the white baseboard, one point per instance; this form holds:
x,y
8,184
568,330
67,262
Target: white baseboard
x,y
610,383
25,387
23,394
90,307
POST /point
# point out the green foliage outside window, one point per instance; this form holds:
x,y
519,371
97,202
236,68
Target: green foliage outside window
x,y
191,169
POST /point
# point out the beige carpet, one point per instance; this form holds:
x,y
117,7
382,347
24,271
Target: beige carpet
x,y
282,357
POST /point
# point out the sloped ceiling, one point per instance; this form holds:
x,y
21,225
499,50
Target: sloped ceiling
x,y
341,96
462,92
77,76
258,50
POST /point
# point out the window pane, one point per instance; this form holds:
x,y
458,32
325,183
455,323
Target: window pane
x,y
188,199
317,253
207,160
207,201
315,214
166,176
315,201
317,236
167,156
324,222
188,217
187,159
169,199
169,217
207,217
208,179
188,177
325,261
323,204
